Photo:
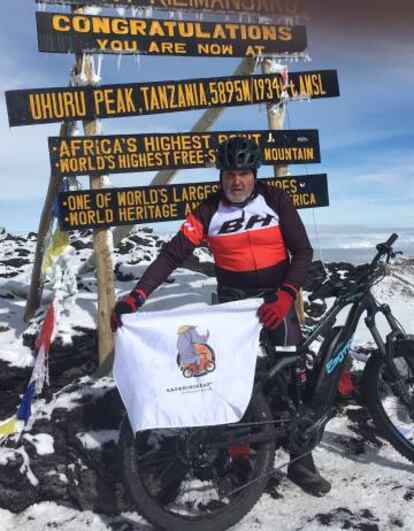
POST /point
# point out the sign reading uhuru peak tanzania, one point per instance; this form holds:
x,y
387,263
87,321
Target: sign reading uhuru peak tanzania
x,y
263,7
36,106
60,32
126,206
131,153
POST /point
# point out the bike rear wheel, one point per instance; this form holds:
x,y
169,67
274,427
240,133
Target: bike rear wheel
x,y
391,403
181,480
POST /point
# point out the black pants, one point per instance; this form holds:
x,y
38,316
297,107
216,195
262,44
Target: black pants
x,y
288,333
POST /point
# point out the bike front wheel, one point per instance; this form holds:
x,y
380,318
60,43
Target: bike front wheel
x,y
390,400
199,479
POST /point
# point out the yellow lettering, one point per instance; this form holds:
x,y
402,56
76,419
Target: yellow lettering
x,y
285,33
61,23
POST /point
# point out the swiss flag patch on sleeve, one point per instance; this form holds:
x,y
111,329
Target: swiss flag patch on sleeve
x,y
193,230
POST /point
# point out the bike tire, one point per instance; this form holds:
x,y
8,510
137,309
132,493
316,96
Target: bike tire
x,y
377,392
157,514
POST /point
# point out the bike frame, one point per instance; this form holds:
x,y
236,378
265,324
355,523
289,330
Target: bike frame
x,y
328,364
329,361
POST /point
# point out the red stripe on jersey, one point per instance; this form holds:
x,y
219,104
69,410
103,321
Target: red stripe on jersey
x,y
193,229
250,250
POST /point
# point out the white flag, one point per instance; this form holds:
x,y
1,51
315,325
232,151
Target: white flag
x,y
193,366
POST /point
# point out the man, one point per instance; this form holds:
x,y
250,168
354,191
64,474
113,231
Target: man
x,y
251,229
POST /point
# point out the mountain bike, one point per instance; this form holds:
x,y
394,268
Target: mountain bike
x,y
208,478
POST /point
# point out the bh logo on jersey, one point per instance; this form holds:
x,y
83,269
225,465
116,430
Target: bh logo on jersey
x,y
195,357
236,225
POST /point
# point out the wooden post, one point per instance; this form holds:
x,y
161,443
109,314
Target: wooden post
x,y
276,118
102,247
103,256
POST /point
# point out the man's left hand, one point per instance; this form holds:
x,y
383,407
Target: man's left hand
x,y
272,314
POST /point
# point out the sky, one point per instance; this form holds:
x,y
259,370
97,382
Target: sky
x,y
366,134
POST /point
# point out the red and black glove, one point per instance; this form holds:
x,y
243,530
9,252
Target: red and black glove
x,y
128,304
271,314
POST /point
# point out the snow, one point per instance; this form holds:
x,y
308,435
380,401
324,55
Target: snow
x,y
62,477
67,399
8,454
372,485
42,442
48,515
376,482
93,440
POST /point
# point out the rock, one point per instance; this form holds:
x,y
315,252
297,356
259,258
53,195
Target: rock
x,y
315,309
85,477
54,485
122,277
13,238
125,247
15,262
23,252
16,491
138,240
9,275
7,295
80,244
13,383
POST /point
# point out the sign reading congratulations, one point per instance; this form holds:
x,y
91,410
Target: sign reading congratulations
x,y
36,106
61,32
130,206
131,153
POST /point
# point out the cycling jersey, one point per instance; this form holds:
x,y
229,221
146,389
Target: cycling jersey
x,y
250,244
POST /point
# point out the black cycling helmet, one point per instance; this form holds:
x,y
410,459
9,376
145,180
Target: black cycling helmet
x,y
238,153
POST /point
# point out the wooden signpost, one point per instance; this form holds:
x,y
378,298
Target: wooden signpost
x,y
150,204
108,154
95,155
38,106
63,33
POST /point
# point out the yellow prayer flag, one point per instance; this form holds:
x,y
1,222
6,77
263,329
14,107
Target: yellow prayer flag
x,y
60,241
8,426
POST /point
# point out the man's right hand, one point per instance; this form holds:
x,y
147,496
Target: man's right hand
x,y
128,304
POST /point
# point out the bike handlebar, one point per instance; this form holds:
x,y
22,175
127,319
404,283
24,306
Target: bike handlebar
x,y
333,289
383,248
391,239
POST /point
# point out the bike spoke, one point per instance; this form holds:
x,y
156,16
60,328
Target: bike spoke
x,y
399,413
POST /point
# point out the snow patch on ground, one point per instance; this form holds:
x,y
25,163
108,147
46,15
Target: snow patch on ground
x,y
42,442
93,440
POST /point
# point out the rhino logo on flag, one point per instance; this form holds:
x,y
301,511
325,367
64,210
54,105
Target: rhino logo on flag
x,y
195,357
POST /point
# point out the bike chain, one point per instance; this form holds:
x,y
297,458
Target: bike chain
x,y
266,476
